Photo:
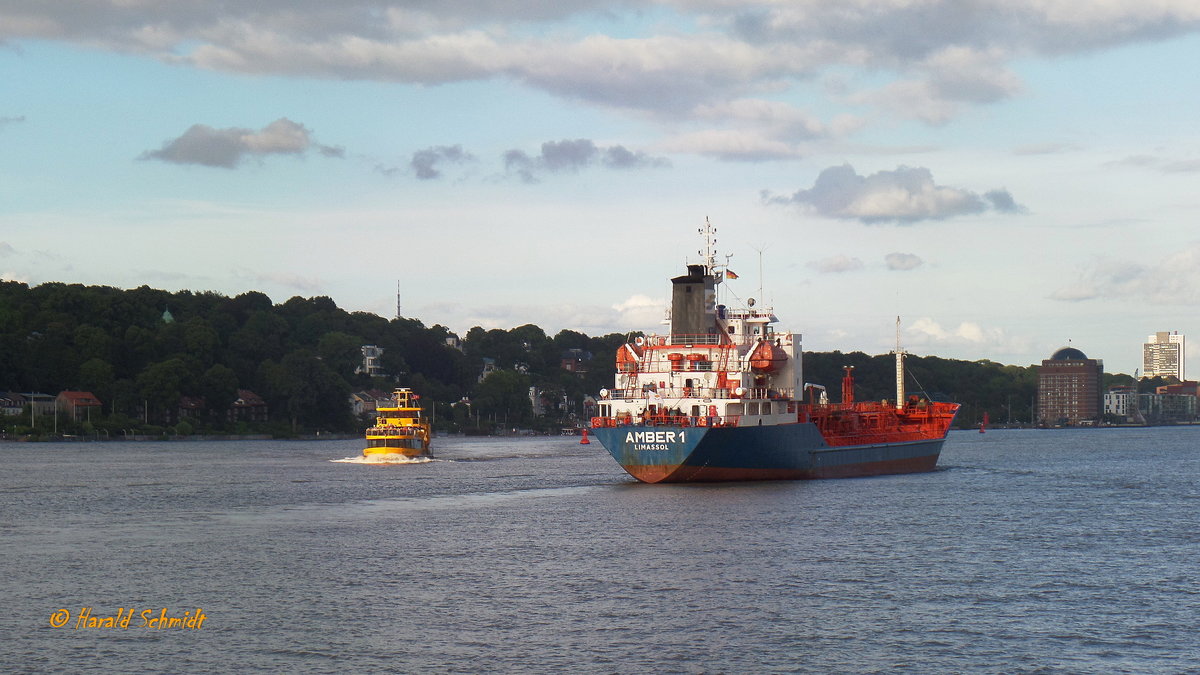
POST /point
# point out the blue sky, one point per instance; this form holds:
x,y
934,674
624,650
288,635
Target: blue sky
x,y
1007,177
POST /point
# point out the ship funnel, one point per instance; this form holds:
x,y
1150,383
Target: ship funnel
x,y
694,295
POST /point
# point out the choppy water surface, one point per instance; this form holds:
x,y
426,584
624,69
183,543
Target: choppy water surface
x,y
1026,552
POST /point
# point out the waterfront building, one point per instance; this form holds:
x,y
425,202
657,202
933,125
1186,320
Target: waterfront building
x,y
1162,355
77,405
1121,404
1069,389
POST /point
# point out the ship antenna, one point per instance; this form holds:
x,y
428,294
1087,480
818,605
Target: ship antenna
x,y
760,272
899,369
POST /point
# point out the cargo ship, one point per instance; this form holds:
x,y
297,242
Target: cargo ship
x,y
400,427
722,398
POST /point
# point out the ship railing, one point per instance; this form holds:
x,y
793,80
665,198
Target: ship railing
x,y
700,339
625,420
705,393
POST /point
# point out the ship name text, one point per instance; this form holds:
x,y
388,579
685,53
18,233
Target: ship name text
x,y
654,440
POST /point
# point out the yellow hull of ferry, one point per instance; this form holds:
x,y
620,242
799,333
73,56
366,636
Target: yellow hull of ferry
x,y
406,452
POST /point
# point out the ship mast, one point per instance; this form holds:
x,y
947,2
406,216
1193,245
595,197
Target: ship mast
x,y
710,247
899,369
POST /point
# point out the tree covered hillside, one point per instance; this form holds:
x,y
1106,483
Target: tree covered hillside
x,y
139,351
142,351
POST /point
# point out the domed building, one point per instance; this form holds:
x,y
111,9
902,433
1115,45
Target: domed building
x,y
1070,391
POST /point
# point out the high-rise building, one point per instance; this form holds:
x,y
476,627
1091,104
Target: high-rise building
x,y
1069,389
1162,355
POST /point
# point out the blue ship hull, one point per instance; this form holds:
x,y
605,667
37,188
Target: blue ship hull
x,y
655,454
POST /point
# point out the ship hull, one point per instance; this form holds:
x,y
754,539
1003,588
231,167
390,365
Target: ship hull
x,y
654,454
411,448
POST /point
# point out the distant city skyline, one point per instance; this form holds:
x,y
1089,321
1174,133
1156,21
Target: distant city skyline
x,y
1008,180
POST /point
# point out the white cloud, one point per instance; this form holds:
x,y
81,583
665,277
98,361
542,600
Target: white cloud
x,y
836,264
941,54
1173,280
905,195
226,148
926,334
903,261
638,310
573,155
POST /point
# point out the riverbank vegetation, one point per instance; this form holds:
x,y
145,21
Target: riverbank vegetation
x,y
176,363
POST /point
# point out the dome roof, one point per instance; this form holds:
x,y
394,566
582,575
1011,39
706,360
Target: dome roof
x,y
1068,354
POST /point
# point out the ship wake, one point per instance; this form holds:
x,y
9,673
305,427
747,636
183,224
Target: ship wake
x,y
384,459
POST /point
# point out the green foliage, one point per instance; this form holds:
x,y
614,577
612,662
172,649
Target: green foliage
x,y
301,357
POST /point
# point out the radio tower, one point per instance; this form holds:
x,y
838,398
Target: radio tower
x,y
397,298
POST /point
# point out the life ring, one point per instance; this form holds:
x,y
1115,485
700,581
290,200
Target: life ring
x,y
639,341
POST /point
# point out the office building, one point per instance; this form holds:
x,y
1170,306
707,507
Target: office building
x,y
1069,389
1162,355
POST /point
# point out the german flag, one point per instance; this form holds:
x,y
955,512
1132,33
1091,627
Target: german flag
x,y
729,274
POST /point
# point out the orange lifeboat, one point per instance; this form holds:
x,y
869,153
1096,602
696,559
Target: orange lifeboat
x,y
627,359
767,358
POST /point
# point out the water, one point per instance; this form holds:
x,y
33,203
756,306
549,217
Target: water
x,y
1026,552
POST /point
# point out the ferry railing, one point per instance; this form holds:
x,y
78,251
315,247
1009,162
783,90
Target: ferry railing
x,y
392,431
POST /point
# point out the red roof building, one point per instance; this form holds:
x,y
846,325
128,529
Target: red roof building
x,y
78,404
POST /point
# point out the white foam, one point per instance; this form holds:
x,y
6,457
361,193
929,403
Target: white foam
x,y
384,459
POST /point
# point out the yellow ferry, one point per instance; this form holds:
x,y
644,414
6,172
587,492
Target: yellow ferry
x,y
400,428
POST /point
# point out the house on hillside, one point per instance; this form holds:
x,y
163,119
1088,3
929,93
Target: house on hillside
x,y
372,364
248,407
489,367
78,405
191,408
364,403
575,360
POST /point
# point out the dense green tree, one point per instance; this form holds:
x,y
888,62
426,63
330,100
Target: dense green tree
x,y
218,386
504,396
98,376
160,386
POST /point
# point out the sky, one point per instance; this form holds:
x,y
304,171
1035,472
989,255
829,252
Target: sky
x,y
1006,176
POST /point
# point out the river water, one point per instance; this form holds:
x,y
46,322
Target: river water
x,y
1057,551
